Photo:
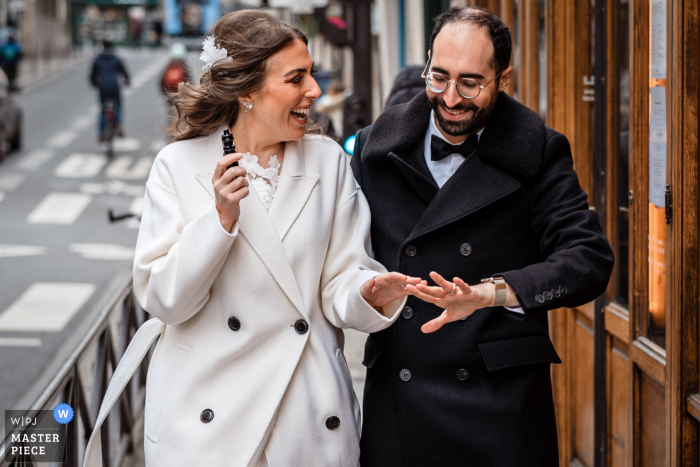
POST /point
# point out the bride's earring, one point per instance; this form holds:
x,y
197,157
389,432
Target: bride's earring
x,y
248,106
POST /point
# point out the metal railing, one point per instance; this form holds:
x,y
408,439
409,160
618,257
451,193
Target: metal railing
x,y
88,369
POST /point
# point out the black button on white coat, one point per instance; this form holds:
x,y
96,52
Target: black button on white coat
x,y
234,323
405,375
462,374
407,312
465,249
301,326
332,423
206,416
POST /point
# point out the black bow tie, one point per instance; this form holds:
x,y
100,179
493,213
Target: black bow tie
x,y
440,149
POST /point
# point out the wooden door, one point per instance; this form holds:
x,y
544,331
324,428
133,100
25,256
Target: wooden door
x,y
571,100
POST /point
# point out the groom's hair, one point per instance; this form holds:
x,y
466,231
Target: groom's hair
x,y
498,31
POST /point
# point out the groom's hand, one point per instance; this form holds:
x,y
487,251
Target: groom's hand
x,y
457,298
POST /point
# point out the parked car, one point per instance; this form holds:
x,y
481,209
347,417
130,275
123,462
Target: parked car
x,y
10,120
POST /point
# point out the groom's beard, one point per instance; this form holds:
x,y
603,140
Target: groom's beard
x,y
478,119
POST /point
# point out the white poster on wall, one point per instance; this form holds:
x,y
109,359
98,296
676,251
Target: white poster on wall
x,y
657,147
658,39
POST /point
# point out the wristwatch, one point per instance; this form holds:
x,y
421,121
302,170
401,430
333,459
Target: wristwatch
x,y
500,283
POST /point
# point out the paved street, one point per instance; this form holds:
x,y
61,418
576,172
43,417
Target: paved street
x,y
57,249
58,252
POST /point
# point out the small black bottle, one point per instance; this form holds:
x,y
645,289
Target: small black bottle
x,y
229,146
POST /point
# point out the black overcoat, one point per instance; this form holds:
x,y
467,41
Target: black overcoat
x,y
477,392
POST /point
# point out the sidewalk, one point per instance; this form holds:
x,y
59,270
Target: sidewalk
x,y
35,69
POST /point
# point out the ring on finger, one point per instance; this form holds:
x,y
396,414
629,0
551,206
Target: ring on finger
x,y
403,286
454,289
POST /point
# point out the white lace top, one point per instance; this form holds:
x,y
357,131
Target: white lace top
x,y
263,180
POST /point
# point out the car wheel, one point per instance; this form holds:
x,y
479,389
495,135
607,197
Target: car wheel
x,y
16,141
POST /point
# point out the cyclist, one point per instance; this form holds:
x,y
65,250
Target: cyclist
x,y
106,70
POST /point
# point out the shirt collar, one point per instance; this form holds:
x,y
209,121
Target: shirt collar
x,y
434,130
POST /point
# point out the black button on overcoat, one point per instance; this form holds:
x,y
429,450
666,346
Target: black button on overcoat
x,y
518,204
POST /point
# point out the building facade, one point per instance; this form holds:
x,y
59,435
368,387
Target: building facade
x,y
621,79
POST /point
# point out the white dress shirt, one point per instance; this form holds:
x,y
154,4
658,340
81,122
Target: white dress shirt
x,y
442,170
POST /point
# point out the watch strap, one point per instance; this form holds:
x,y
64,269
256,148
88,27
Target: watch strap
x,y
501,294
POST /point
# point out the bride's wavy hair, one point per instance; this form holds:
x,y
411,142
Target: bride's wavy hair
x,y
250,37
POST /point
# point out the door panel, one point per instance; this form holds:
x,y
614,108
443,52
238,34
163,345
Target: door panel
x,y
652,445
619,447
582,388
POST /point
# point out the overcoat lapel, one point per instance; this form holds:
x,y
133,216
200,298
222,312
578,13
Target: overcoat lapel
x,y
416,171
256,225
293,190
473,186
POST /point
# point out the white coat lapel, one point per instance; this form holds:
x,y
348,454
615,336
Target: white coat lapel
x,y
293,190
258,229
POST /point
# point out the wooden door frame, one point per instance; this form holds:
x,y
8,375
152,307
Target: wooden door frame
x,y
684,346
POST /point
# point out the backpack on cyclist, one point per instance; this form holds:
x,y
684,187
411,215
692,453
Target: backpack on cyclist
x,y
174,74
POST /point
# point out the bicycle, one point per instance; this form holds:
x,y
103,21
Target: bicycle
x,y
109,117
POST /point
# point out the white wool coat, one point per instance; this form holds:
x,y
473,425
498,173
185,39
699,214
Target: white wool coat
x,y
270,388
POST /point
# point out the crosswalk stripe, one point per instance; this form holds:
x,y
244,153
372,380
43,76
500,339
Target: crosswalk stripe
x,y
81,166
122,168
20,342
59,208
103,251
127,144
9,181
84,122
13,251
46,306
62,139
136,205
35,159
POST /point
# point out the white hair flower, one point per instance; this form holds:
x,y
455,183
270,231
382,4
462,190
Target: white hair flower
x,y
212,53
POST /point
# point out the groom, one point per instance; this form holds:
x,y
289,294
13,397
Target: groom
x,y
468,186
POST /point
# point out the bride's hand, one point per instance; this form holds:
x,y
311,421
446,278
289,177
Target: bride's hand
x,y
230,187
385,288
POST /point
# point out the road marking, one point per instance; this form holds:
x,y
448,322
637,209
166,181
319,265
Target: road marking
x,y
20,342
35,159
87,120
81,166
120,168
136,205
59,208
103,251
126,144
113,187
45,306
13,251
158,144
62,139
9,181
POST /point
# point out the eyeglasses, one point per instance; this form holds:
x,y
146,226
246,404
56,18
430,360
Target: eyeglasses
x,y
466,87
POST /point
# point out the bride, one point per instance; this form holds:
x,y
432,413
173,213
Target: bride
x,y
251,287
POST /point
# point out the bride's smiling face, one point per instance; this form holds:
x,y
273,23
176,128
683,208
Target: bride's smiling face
x,y
284,102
